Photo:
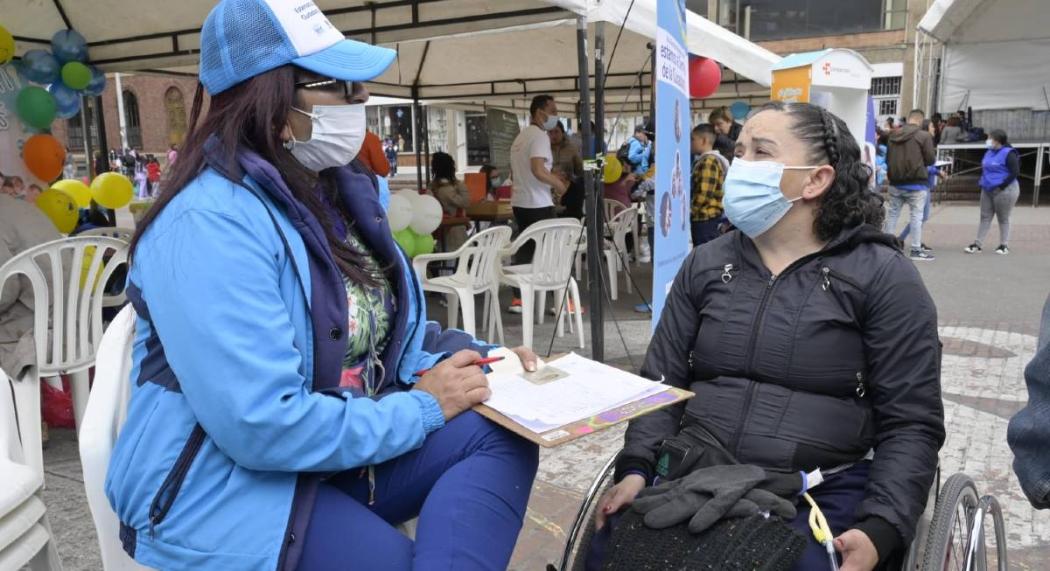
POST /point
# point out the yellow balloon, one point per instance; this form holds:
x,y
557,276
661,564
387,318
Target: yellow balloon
x,y
112,190
613,169
80,192
60,208
7,46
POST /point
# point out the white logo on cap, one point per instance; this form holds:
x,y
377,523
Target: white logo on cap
x,y
305,25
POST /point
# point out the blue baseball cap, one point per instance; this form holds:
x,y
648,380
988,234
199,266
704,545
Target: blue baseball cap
x,y
244,38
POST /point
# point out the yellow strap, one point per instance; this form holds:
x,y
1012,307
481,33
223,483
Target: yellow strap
x,y
818,524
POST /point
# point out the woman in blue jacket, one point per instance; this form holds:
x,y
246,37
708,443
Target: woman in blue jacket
x,y
999,190
277,419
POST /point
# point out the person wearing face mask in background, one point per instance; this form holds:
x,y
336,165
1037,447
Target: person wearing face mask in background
x,y
536,188
999,190
797,365
277,418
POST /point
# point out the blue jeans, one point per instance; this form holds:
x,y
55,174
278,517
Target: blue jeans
x,y
838,498
916,200
925,216
469,484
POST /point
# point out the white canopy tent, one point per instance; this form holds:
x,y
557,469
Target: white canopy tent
x,y
993,55
493,51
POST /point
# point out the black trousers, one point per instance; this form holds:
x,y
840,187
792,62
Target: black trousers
x,y
525,217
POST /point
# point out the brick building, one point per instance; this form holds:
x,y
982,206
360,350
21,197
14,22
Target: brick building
x,y
156,113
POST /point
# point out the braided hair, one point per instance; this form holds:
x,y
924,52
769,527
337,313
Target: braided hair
x,y
847,203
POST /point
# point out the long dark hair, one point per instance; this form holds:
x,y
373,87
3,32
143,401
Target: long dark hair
x,y
251,115
444,166
847,203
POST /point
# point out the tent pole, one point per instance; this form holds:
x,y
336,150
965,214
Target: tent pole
x,y
599,89
426,138
652,86
416,112
595,210
103,141
85,127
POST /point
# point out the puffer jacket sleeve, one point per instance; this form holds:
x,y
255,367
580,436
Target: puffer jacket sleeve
x,y
666,360
903,378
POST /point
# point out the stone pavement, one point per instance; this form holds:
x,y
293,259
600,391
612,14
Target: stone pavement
x,y
989,308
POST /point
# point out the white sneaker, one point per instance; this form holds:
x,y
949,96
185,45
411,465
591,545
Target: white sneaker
x,y
972,249
1002,250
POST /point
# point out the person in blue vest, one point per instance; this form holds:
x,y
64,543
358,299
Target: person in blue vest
x,y
999,190
290,402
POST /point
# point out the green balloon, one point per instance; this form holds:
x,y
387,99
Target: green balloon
x,y
425,244
36,107
76,75
407,240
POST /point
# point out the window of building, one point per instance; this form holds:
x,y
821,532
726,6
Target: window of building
x,y
762,20
175,108
885,86
132,121
886,92
75,128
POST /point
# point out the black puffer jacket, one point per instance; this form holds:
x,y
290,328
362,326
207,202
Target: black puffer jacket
x,y
836,356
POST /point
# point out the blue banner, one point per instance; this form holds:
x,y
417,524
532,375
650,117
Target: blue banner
x,y
672,200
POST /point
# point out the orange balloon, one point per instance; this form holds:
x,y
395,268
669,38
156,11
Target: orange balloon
x,y
44,156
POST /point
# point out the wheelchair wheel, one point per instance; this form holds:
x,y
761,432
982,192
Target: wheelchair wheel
x,y
583,528
989,556
951,528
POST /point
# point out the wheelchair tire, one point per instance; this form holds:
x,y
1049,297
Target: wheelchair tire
x,y
951,526
579,561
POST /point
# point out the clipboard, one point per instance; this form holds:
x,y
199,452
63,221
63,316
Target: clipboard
x,y
601,421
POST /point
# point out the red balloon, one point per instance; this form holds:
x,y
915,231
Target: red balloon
x,y
705,75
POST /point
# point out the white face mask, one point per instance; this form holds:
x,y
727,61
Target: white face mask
x,y
338,133
550,123
989,143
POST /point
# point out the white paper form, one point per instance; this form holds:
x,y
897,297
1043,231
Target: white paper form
x,y
569,389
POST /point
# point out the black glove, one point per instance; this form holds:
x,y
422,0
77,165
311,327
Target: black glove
x,y
703,497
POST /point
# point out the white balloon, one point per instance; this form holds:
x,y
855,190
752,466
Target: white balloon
x,y
400,212
426,216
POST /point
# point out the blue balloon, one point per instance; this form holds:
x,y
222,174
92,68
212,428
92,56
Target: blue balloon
x,y
67,101
68,45
740,109
97,84
39,66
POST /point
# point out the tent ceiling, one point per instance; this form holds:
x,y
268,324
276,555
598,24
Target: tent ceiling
x,y
474,50
130,35
985,21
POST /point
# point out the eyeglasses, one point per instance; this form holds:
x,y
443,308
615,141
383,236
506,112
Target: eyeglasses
x,y
329,86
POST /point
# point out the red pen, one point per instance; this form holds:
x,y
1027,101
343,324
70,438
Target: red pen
x,y
479,362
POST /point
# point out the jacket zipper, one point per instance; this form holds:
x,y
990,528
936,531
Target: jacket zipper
x,y
830,273
165,496
755,329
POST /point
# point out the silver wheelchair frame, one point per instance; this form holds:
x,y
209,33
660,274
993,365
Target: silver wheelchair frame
x,y
950,535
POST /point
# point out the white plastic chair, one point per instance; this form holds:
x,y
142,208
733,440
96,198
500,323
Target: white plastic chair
x,y
116,232
615,207
67,322
476,273
107,409
615,249
125,234
550,271
25,532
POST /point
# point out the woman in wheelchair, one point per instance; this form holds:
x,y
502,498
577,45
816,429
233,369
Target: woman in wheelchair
x,y
811,344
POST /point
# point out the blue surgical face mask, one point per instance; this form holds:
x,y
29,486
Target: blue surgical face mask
x,y
550,123
989,143
753,201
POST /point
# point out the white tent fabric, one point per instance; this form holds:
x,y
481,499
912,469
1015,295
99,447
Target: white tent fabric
x,y
471,40
135,35
995,52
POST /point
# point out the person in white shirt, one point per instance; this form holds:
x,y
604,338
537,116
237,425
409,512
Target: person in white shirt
x,y
536,188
